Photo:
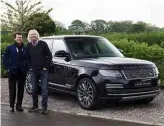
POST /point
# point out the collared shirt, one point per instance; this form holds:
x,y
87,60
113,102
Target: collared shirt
x,y
34,43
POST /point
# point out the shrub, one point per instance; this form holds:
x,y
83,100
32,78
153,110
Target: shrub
x,y
152,53
3,48
10,39
7,38
133,49
149,38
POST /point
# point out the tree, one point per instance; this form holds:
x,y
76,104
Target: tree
x,y
87,27
139,27
120,27
16,15
77,27
99,26
60,28
41,22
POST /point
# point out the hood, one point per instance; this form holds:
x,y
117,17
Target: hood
x,y
117,60
106,62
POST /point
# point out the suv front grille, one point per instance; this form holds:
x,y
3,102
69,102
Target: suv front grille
x,y
138,72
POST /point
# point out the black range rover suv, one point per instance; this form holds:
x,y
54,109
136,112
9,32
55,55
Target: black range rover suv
x,y
92,68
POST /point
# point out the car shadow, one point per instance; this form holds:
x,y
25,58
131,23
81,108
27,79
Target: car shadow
x,y
104,104
125,105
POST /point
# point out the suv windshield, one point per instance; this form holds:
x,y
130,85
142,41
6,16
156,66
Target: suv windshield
x,y
91,47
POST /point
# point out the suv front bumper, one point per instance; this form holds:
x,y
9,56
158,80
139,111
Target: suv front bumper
x,y
135,96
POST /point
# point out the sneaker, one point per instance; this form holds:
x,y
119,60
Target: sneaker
x,y
33,109
44,111
19,109
12,110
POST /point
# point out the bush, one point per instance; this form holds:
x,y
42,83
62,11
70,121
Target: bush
x,y
10,39
149,38
133,49
3,48
7,38
137,50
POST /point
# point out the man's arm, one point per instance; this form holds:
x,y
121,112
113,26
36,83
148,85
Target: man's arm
x,y
6,58
48,56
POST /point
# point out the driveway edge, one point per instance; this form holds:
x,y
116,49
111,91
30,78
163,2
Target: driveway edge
x,y
101,117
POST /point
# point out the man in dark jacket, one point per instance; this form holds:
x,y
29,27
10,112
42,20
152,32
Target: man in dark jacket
x,y
39,60
15,61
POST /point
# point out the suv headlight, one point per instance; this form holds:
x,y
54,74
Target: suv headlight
x,y
110,73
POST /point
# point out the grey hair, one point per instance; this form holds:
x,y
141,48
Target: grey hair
x,y
33,31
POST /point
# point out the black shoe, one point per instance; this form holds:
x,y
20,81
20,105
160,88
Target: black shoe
x,y
19,109
33,109
44,111
12,110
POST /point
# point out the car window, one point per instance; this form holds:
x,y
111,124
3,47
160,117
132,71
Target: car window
x,y
58,44
49,43
88,47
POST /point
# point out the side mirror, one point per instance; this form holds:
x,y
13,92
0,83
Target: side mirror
x,y
61,53
121,50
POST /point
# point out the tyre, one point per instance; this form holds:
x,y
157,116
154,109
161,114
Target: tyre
x,y
28,86
87,94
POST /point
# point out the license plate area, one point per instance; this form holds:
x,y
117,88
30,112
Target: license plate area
x,y
142,83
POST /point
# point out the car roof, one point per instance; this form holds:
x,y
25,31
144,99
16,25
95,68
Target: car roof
x,y
69,36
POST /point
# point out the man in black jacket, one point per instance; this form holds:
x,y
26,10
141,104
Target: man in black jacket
x,y
39,60
15,61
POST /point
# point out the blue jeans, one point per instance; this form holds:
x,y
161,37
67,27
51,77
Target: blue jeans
x,y
37,75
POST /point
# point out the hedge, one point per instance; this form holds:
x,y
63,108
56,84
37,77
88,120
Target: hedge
x,y
7,38
149,38
132,49
3,48
142,50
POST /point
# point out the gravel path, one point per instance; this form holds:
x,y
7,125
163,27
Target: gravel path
x,y
153,112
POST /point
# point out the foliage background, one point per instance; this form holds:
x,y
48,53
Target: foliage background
x,y
131,48
137,39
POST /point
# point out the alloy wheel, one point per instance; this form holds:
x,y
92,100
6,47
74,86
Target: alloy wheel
x,y
85,93
28,86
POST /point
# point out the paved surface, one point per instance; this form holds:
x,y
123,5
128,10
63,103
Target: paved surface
x,y
54,119
152,113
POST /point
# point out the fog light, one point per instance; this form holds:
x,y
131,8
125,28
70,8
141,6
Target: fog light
x,y
114,86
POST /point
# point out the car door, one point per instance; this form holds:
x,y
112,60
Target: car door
x,y
59,69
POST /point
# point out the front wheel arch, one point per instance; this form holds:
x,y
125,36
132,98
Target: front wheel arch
x,y
84,76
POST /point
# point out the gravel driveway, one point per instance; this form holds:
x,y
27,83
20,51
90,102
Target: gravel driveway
x,y
153,112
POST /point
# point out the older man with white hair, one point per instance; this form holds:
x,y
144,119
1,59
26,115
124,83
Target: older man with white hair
x,y
39,60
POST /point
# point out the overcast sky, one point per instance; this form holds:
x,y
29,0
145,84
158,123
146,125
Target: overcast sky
x,y
150,11
65,11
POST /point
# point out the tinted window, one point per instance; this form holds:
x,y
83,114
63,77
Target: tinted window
x,y
58,44
89,47
49,43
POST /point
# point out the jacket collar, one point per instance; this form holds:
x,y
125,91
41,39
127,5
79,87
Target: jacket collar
x,y
16,46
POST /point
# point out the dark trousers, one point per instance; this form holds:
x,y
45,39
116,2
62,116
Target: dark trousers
x,y
16,83
37,75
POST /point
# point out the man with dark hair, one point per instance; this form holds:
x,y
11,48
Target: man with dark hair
x,y
15,59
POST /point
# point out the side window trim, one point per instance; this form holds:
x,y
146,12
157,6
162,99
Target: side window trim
x,y
53,46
